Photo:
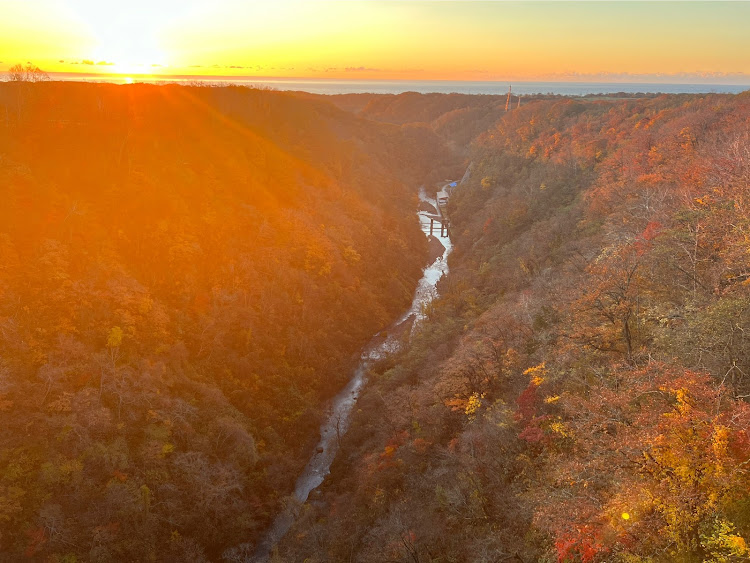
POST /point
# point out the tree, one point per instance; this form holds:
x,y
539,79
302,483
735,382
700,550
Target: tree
x,y
28,73
650,459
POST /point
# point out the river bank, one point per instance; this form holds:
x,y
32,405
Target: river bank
x,y
339,414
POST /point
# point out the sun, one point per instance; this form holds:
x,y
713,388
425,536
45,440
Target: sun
x,y
127,38
126,55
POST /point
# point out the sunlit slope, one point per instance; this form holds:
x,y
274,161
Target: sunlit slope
x,y
579,391
185,274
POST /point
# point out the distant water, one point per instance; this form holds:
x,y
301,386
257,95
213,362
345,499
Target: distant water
x,y
332,86
500,88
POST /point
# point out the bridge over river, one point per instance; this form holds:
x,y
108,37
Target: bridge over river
x,y
339,414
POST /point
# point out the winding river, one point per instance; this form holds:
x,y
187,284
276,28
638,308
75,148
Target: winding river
x,y
340,411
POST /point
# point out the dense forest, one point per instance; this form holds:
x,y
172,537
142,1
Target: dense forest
x,y
186,275
579,391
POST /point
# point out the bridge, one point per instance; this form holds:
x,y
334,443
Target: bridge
x,y
442,219
442,201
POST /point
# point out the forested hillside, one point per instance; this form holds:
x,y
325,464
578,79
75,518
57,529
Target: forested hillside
x,y
457,118
579,392
186,274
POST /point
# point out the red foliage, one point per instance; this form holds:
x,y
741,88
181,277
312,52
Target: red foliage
x,y
532,434
487,225
581,543
398,439
643,242
739,444
651,231
526,416
527,402
421,445
37,539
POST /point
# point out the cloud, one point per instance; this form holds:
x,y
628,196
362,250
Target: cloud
x,y
89,62
360,69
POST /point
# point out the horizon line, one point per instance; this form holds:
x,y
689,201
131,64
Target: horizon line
x,y
145,77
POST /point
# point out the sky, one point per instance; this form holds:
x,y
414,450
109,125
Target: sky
x,y
637,41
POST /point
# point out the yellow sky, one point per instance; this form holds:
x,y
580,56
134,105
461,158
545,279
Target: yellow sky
x,y
353,39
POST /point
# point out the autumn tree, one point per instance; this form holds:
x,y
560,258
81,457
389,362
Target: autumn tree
x,y
652,459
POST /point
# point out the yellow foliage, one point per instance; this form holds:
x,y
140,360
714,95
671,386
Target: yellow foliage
x,y
683,404
723,544
561,429
524,267
70,467
115,337
537,373
351,256
473,404
145,305
720,440
534,369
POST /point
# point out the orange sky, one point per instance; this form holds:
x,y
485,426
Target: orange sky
x,y
382,39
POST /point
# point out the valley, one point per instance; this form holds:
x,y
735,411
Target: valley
x,y
217,307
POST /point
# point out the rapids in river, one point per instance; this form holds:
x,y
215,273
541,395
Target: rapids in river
x,y
339,414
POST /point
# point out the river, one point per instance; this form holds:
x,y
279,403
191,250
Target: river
x,y
339,414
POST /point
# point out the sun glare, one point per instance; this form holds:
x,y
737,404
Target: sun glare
x,y
128,39
122,54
